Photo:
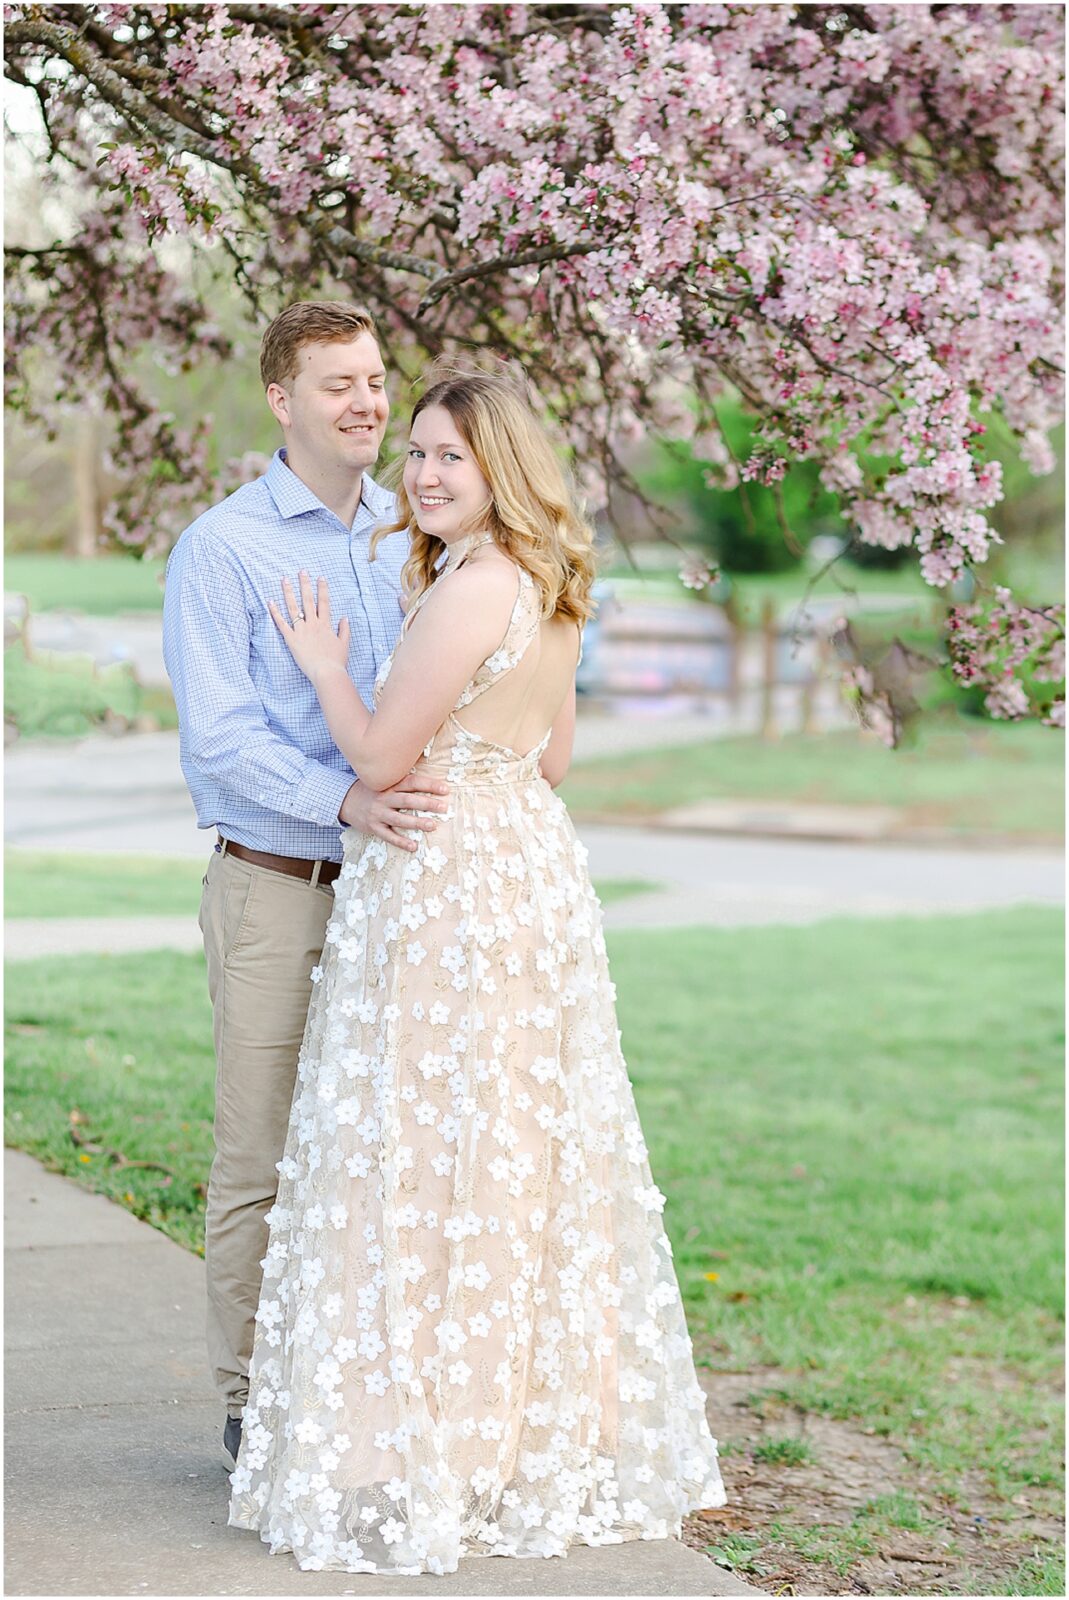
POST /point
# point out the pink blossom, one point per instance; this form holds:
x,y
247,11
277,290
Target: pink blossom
x,y
643,201
696,573
1007,700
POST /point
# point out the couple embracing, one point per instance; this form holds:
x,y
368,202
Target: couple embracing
x,y
443,1313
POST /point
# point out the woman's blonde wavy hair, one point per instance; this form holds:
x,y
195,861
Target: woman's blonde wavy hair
x,y
533,512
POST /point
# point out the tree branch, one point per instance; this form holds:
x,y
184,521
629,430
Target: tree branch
x,y
486,269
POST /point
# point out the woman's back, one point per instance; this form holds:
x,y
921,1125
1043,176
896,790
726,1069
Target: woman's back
x,y
524,696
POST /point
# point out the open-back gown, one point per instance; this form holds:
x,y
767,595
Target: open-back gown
x,y
470,1338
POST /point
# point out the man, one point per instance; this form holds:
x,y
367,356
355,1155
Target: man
x,y
262,768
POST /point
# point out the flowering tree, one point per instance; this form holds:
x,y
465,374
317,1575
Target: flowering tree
x,y
850,215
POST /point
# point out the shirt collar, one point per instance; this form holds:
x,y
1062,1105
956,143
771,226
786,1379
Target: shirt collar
x,y
293,498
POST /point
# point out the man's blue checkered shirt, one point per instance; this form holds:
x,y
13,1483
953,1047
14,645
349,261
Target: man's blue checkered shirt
x,y
255,748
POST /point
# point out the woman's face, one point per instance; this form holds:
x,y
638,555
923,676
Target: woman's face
x,y
448,494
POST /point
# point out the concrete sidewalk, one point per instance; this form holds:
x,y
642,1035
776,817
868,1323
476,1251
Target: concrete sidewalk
x,y
114,1485
103,793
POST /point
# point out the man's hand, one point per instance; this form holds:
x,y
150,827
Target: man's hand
x,y
382,815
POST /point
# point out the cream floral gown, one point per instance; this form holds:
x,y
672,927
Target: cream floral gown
x,y
470,1337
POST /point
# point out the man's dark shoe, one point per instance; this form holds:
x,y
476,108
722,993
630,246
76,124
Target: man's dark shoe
x,y
231,1442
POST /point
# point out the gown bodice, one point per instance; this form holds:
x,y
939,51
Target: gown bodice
x,y
460,754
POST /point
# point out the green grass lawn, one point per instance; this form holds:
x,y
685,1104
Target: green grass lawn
x,y
859,1139
787,590
101,586
1038,573
65,696
964,775
609,890
846,1118
40,885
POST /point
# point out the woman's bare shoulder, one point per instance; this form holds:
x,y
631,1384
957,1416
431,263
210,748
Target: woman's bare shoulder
x,y
481,590
490,558
487,573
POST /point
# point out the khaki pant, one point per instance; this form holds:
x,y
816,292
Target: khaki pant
x,y
263,934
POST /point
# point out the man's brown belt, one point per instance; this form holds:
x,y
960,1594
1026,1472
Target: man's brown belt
x,y
291,866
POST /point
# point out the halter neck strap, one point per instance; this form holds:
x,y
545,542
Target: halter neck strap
x,y
460,549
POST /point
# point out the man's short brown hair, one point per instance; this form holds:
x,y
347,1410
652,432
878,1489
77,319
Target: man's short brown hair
x,y
308,322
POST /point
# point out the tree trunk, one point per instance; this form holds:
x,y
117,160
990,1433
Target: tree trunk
x,y
87,496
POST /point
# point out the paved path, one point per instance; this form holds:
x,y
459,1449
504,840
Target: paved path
x,y
727,882
100,794
127,793
113,1479
133,636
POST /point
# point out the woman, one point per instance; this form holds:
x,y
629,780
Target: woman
x,y
470,1337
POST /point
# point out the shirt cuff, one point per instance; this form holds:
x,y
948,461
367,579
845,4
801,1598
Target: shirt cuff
x,y
320,796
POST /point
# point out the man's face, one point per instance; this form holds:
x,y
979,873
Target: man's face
x,y
334,411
